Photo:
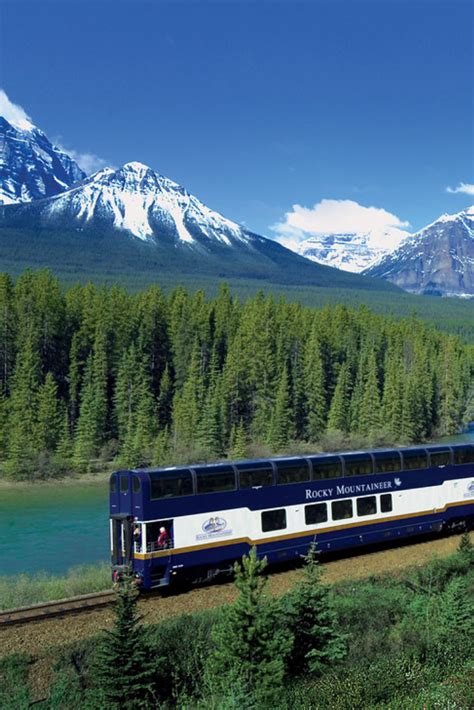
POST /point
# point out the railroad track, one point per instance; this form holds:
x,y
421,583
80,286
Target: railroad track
x,y
47,610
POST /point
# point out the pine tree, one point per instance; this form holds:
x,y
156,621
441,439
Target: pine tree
x,y
65,446
249,646
165,398
370,420
238,441
312,623
338,418
124,669
22,407
281,425
7,332
91,425
314,385
48,422
162,448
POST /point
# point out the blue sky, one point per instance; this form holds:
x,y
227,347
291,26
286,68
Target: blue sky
x,y
257,106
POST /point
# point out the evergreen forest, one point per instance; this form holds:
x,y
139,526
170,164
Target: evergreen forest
x,y
95,374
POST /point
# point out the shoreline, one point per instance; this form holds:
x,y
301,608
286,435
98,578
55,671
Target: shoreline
x,y
88,479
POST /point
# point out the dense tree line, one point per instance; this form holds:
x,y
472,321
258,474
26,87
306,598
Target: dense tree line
x,y
95,372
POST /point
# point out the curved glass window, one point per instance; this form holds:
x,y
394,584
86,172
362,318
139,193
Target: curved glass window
x,y
414,459
113,484
358,464
387,461
123,484
439,459
136,484
464,455
292,471
214,479
256,474
171,484
327,467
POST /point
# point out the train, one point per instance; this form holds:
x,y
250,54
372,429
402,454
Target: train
x,y
192,523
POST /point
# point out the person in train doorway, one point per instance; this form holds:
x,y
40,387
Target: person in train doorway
x,y
163,539
137,536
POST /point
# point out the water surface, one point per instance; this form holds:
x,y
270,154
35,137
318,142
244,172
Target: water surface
x,y
53,527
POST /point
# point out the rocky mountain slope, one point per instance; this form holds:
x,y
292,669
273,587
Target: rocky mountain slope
x,y
31,167
437,260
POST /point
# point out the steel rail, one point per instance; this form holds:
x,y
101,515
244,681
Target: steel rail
x,y
47,610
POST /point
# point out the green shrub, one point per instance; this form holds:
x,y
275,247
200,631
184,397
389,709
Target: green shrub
x,y
25,589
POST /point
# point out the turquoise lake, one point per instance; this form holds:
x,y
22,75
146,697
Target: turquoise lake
x,y
56,527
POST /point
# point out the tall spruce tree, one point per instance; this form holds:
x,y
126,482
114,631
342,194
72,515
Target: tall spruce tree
x,y
125,668
281,429
311,621
339,418
249,645
314,385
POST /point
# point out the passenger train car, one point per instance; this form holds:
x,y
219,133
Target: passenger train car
x,y
212,514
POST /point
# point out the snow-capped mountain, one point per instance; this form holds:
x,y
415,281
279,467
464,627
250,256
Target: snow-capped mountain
x,y
31,167
439,259
353,251
134,221
147,205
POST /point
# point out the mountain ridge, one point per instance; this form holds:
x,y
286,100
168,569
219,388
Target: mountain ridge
x,y
31,167
436,260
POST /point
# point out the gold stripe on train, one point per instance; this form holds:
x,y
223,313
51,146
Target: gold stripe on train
x,y
289,536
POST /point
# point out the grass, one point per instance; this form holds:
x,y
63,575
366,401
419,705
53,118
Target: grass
x,y
26,589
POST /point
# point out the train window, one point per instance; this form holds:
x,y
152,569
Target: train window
x,y
316,513
387,462
358,464
464,455
215,479
440,458
296,471
123,484
136,484
386,503
414,459
255,475
113,484
366,505
328,467
273,520
341,509
170,484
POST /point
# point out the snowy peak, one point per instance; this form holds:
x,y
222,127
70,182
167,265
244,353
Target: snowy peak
x,y
31,167
352,251
438,259
149,206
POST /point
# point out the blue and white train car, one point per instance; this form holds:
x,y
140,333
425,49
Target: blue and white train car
x,y
212,514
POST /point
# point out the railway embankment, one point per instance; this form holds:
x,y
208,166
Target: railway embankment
x,y
39,635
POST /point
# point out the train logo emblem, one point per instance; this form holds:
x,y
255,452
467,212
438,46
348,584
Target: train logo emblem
x,y
214,525
470,490
397,481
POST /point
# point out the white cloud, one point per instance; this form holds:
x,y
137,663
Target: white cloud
x,y
336,217
17,117
89,162
14,114
465,188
